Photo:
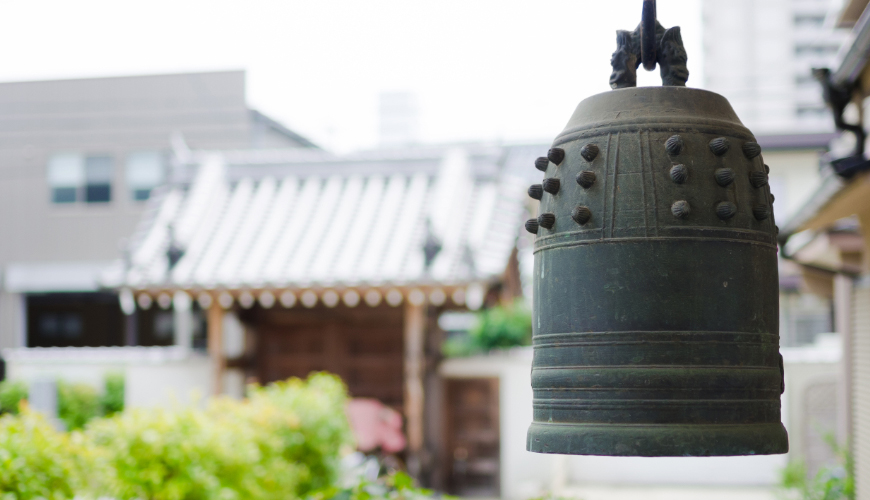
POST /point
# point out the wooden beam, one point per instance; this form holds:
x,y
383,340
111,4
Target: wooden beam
x,y
215,334
414,336
843,326
852,199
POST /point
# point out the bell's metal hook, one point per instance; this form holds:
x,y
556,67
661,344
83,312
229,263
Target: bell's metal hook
x,y
648,35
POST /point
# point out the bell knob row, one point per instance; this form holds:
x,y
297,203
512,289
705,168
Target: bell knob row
x,y
674,146
680,209
679,174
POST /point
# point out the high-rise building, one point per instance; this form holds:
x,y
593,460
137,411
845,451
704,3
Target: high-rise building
x,y
759,54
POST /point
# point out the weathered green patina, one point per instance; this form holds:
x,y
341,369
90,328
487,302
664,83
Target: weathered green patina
x,y
656,290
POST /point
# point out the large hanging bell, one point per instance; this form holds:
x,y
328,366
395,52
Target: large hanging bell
x,y
656,302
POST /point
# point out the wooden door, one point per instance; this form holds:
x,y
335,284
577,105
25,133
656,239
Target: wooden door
x,y
367,357
472,432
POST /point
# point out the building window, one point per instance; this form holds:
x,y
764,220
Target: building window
x,y
65,175
145,171
809,20
74,177
98,179
816,50
74,320
812,112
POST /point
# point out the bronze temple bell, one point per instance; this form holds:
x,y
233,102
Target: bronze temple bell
x,y
656,302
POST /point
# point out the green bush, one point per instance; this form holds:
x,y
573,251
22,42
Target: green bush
x,y
77,404
498,327
12,392
112,400
836,482
37,461
321,430
283,442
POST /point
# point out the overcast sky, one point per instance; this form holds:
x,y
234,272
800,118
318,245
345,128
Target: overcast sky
x,y
481,69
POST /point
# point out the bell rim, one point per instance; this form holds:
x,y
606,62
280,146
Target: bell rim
x,y
658,440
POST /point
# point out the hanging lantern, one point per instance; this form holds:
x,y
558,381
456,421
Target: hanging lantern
x,y
656,302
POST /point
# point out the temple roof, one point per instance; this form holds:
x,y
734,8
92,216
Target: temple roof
x,y
261,219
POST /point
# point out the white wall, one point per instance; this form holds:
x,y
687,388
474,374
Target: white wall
x,y
794,176
154,376
524,474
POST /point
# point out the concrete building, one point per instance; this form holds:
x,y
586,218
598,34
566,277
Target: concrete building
x,y
79,160
759,55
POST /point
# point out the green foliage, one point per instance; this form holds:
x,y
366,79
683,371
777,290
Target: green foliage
x,y
830,483
37,461
322,427
76,404
112,399
498,327
12,392
283,442
396,486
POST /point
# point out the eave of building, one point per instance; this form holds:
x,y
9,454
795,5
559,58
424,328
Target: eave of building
x,y
851,12
259,117
833,200
855,54
796,142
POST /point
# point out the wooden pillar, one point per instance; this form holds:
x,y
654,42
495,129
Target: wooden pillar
x,y
216,346
414,336
843,326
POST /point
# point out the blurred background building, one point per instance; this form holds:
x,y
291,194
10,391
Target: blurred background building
x,y
760,54
81,160
827,239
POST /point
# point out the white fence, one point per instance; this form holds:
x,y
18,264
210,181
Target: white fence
x,y
154,376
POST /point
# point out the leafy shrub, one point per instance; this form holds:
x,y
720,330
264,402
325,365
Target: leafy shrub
x,y
12,392
76,404
112,400
321,430
283,442
37,461
836,482
495,328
